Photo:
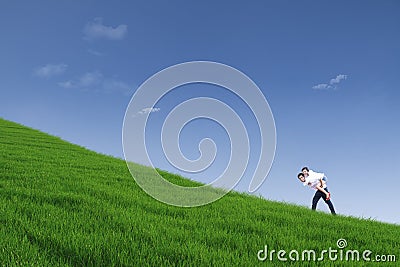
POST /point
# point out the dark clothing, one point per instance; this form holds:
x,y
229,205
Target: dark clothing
x,y
316,198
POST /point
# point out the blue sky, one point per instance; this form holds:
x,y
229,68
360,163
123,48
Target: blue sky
x,y
329,70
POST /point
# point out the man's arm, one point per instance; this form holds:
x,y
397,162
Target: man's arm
x,y
322,182
320,188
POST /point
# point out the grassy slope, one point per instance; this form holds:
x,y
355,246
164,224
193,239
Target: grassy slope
x,y
61,204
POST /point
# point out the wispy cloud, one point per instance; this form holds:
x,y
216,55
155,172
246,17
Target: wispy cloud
x,y
113,85
338,79
97,81
145,111
50,70
90,79
95,53
97,30
148,110
66,84
332,83
321,86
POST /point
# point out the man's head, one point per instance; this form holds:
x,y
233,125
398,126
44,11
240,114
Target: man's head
x,y
301,177
305,171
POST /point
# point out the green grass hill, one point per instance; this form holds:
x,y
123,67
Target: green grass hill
x,y
64,205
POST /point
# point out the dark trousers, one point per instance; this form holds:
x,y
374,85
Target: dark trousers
x,y
317,197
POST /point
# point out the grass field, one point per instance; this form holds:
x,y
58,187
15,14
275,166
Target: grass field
x,y
63,205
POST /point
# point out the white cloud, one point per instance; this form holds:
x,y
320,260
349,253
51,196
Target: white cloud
x,y
50,70
97,30
148,110
145,111
66,84
338,78
96,80
332,83
321,86
95,53
112,85
90,79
